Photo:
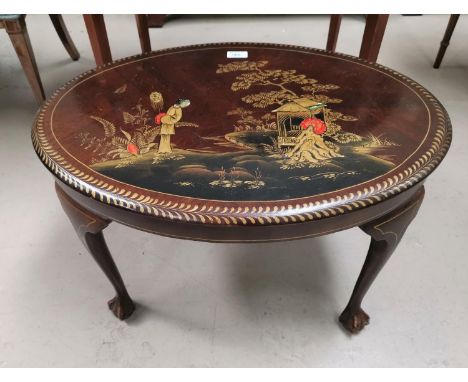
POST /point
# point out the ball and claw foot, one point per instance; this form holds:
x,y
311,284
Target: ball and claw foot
x,y
121,307
354,320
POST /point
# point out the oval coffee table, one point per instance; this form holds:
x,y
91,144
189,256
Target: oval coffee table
x,y
242,143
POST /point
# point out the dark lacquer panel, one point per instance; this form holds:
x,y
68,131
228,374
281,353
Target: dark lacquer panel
x,y
275,125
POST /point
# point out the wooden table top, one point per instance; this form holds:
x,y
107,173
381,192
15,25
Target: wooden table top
x,y
241,133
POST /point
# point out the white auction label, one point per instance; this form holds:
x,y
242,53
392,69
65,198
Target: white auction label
x,y
237,54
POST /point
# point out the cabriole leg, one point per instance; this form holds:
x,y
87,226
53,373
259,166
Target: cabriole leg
x,y
386,232
89,228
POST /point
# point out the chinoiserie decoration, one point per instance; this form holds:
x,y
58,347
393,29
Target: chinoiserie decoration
x,y
283,121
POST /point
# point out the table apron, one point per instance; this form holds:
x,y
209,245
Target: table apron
x,y
223,233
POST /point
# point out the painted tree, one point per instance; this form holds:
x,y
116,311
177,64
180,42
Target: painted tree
x,y
282,86
280,80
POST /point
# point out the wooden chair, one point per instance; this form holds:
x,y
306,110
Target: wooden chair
x,y
15,26
446,40
371,41
96,27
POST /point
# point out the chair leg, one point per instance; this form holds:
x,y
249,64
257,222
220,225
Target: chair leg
x,y
373,35
62,32
143,32
333,31
97,33
18,34
446,40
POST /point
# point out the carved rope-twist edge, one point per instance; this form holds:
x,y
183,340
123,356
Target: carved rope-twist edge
x,y
112,195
